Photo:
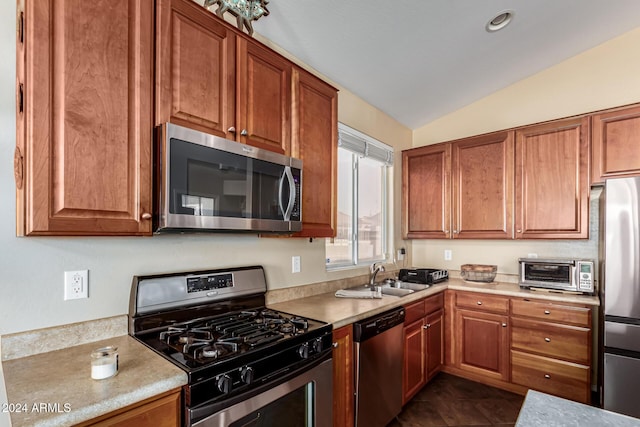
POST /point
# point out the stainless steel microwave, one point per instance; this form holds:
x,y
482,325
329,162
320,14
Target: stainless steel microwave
x,y
573,275
208,183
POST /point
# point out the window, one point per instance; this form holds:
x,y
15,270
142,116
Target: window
x,y
363,173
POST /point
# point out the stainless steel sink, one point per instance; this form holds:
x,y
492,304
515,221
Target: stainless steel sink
x,y
394,288
407,285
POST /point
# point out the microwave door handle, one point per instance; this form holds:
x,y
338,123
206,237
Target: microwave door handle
x,y
292,193
280,206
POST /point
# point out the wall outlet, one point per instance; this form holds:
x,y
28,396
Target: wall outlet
x,y
295,264
400,254
76,284
447,255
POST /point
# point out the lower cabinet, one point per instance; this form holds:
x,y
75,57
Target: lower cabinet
x,y
343,387
159,411
483,343
481,334
520,343
423,344
551,347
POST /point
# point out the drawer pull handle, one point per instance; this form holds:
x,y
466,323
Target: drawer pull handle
x,y
479,302
427,326
547,376
547,312
547,339
334,345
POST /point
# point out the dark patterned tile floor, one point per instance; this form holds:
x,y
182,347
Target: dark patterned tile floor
x,y
454,402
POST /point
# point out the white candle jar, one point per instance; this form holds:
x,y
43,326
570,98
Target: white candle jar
x,y
104,363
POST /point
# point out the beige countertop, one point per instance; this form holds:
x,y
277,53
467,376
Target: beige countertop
x,y
343,311
55,388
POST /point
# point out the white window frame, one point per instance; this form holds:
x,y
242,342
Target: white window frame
x,y
362,145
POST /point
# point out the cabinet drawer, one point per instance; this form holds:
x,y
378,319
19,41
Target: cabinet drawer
x,y
419,309
564,379
570,343
484,302
433,303
551,311
413,312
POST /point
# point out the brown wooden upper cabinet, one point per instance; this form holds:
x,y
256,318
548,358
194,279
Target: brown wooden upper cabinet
x,y
461,189
84,118
212,79
315,134
615,144
552,180
482,175
426,199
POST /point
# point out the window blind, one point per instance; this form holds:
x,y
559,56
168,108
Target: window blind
x,y
363,145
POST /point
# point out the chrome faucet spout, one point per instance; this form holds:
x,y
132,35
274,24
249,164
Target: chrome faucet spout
x,y
374,269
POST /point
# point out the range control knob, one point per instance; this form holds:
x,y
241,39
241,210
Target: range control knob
x,y
303,350
224,383
246,375
317,345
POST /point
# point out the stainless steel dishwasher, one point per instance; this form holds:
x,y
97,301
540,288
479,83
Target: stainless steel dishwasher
x,y
379,358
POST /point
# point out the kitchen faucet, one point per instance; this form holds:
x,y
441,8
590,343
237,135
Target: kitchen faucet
x,y
374,269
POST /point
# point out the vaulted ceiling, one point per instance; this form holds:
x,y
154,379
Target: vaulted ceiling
x,y
418,60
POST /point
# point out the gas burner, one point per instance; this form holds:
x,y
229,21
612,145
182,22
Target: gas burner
x,y
287,328
300,323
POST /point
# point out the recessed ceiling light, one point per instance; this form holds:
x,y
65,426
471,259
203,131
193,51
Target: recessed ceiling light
x,y
500,21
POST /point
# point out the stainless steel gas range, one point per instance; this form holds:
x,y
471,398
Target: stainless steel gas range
x,y
247,365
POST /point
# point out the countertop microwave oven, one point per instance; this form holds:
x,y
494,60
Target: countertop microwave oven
x,y
208,183
572,275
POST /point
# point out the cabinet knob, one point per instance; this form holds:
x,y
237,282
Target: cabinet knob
x,y
232,129
504,325
547,339
547,376
145,215
244,132
479,302
547,312
446,231
518,231
455,231
334,345
427,326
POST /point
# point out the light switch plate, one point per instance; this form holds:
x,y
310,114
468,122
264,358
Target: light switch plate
x,y
295,264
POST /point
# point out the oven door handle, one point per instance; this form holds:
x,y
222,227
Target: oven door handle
x,y
286,213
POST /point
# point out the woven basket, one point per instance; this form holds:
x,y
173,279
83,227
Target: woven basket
x,y
478,272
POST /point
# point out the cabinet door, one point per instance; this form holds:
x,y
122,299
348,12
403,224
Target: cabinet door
x,y
616,151
315,133
482,171
414,371
85,133
161,411
483,343
552,185
426,177
343,387
195,68
264,98
434,343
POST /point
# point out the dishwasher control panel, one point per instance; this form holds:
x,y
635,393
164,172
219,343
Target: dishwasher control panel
x,y
376,325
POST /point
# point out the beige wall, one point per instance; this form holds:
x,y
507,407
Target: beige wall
x,y
605,76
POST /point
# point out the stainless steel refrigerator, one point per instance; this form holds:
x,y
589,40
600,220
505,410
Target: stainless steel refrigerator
x,y
620,295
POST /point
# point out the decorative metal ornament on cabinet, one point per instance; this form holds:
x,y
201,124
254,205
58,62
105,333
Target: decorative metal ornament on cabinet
x,y
245,11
